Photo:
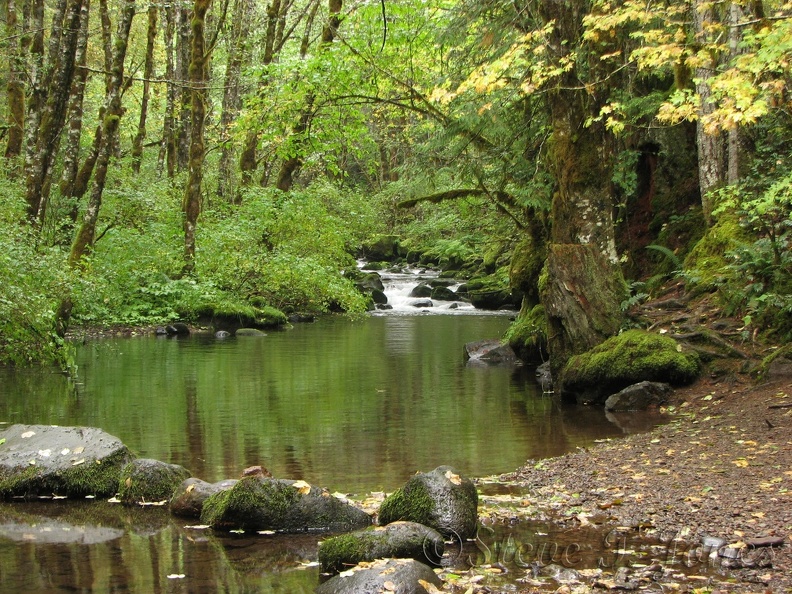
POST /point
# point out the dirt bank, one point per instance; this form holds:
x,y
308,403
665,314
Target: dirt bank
x,y
722,467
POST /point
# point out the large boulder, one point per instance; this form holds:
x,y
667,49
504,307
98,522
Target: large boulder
x,y
382,248
440,499
631,357
189,498
443,294
405,540
147,481
490,352
262,503
421,290
70,461
640,396
401,576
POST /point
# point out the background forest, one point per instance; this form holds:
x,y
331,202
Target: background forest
x,y
167,161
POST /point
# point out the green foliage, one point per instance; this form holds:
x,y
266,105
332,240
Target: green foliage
x,y
32,279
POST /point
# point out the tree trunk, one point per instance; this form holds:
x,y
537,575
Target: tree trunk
x,y
292,164
184,95
71,153
14,86
710,146
84,239
52,90
232,100
148,70
167,155
191,204
584,287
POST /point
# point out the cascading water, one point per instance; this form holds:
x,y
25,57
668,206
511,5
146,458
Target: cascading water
x,y
399,285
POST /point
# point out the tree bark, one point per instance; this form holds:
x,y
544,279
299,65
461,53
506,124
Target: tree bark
x,y
710,146
584,287
191,204
167,155
232,101
148,70
184,94
52,90
14,86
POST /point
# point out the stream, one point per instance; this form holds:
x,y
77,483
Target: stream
x,y
356,406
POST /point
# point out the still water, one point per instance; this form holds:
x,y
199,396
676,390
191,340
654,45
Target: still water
x,y
354,406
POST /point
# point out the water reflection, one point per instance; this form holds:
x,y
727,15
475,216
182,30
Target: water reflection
x,y
353,406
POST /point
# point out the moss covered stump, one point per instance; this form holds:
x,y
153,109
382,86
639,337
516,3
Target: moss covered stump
x,y
629,358
261,503
147,481
440,499
42,460
404,540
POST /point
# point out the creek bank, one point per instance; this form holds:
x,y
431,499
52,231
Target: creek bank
x,y
720,469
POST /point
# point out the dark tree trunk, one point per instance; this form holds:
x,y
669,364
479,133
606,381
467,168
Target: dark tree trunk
x,y
184,95
148,70
167,155
15,86
191,204
584,288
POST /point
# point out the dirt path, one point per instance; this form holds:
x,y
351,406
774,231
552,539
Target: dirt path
x,y
722,467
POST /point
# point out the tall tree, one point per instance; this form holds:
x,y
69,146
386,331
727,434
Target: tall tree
x,y
148,71
191,203
15,86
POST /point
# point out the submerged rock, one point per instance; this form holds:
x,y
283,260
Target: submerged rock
x,y
405,540
249,332
404,576
640,396
71,461
422,303
440,499
261,503
146,480
189,498
490,352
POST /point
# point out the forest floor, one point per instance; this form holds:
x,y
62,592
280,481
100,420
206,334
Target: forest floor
x,y
709,494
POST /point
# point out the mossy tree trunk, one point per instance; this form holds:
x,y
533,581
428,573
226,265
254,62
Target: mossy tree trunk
x,y
191,203
583,286
148,70
15,88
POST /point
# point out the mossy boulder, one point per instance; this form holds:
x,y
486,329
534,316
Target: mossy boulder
x,y
491,292
228,315
404,540
262,503
440,499
443,294
189,498
631,357
706,263
382,248
421,290
146,480
401,576
254,332
38,460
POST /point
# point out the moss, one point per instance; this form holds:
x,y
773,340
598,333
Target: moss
x,y
527,335
149,480
526,268
347,549
412,503
247,501
706,263
11,485
626,359
270,316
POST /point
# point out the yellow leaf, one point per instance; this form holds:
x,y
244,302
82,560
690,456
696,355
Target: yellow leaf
x,y
302,487
740,462
389,586
454,478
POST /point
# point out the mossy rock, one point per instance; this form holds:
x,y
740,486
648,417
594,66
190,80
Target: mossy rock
x,y
440,499
526,266
382,248
631,357
491,292
404,540
42,460
261,503
527,335
706,263
255,332
189,498
146,480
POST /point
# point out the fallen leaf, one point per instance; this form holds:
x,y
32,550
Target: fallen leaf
x,y
45,453
429,587
27,434
65,452
389,586
176,576
302,487
740,462
198,527
454,478
78,450
348,573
